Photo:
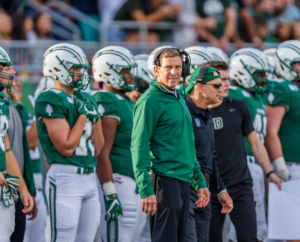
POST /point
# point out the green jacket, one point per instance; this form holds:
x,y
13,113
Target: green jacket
x,y
163,140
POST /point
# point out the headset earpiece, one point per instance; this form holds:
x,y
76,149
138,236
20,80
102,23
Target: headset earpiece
x,y
186,62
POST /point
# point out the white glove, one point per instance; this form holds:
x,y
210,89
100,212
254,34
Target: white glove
x,y
281,170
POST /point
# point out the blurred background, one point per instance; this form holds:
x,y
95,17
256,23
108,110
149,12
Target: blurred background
x,y
29,27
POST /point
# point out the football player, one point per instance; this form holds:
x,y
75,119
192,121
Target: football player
x,y
248,69
11,179
35,228
66,128
283,113
123,219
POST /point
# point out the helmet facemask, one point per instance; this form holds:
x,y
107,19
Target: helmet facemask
x,y
258,76
124,73
84,79
10,79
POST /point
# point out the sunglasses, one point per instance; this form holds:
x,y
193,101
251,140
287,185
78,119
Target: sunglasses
x,y
216,86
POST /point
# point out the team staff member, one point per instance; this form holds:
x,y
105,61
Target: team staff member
x,y
232,119
205,88
163,126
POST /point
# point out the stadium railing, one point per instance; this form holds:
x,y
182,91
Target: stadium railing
x,y
28,55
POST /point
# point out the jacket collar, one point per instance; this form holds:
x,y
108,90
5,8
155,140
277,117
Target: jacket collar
x,y
192,107
156,85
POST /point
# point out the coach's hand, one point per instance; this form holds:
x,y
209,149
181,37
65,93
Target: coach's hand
x,y
34,211
204,196
275,179
226,202
149,205
27,201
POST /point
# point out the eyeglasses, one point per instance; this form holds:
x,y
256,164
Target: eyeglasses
x,y
216,86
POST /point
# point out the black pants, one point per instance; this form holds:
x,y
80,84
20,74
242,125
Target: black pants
x,y
243,215
20,223
173,203
198,221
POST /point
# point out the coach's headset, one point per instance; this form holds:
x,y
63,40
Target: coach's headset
x,y
185,64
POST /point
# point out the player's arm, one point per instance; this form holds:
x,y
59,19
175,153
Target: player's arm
x,y
104,168
32,136
13,169
97,137
62,136
275,115
261,156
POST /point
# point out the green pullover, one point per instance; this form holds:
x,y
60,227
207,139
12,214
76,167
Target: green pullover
x,y
163,140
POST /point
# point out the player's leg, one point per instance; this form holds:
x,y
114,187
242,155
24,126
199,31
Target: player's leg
x,y
141,219
103,225
35,229
243,215
64,197
217,218
89,218
131,223
7,220
203,217
146,236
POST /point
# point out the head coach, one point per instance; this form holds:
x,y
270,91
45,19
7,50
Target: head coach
x,y
163,144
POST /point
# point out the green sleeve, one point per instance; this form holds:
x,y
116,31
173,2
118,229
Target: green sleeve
x,y
198,180
142,133
106,105
49,105
278,96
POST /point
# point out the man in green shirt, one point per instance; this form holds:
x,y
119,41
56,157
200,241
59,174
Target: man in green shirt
x,y
282,109
163,144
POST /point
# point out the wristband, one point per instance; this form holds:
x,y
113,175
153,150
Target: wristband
x,y
8,150
109,188
222,192
269,173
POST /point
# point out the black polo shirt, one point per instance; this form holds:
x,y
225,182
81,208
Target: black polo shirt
x,y
232,121
204,143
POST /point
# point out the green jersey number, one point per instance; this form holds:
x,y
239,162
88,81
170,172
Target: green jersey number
x,y
85,142
260,123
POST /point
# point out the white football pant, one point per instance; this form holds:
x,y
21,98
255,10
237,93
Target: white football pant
x,y
35,229
73,203
126,228
294,168
258,188
7,220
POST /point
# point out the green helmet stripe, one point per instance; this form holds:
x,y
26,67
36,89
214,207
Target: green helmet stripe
x,y
254,56
67,49
199,53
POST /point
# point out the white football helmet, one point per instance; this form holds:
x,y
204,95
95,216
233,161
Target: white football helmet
x,y
5,60
286,55
244,66
150,60
58,60
218,54
108,65
199,55
143,72
270,53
